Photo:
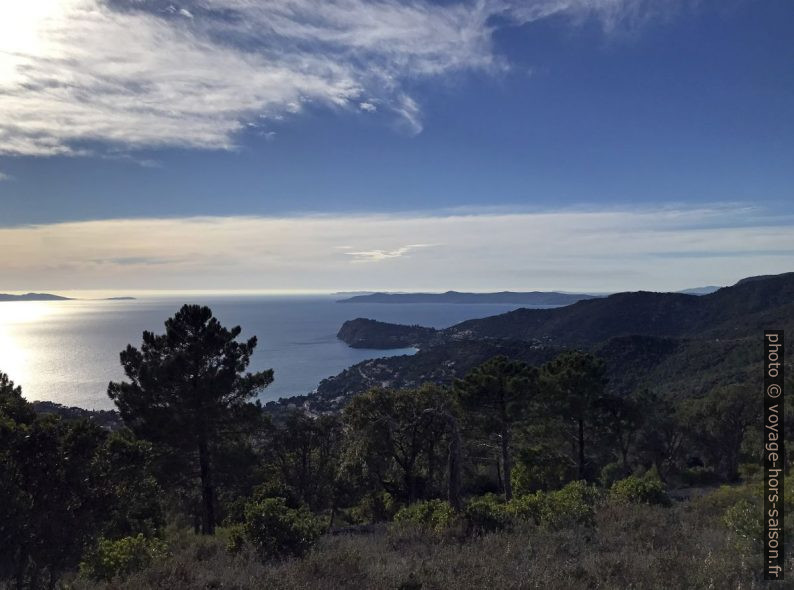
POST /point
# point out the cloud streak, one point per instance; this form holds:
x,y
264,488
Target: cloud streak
x,y
147,74
668,248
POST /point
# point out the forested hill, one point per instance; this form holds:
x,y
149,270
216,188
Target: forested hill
x,y
749,305
675,344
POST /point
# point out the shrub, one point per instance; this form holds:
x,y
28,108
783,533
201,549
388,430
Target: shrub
x,y
120,557
539,468
433,515
277,530
745,520
572,505
612,472
374,507
529,507
640,490
235,537
486,514
718,501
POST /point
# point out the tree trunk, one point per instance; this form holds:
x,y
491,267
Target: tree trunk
x,y
207,490
333,516
581,449
507,464
453,489
410,486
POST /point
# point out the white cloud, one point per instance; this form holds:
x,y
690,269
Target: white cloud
x,y
378,255
667,248
141,73
4,176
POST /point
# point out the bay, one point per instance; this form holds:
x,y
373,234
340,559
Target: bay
x,y
68,351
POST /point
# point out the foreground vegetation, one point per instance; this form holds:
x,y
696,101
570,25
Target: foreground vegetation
x,y
686,546
518,475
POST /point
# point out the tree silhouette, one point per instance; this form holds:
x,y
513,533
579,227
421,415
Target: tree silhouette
x,y
576,383
499,394
188,390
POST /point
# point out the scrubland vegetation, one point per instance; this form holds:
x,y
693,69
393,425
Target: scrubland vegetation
x,y
514,477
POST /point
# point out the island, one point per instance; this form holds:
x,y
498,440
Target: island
x,y
537,298
33,297
51,297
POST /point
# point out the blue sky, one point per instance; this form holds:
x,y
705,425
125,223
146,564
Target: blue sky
x,y
238,110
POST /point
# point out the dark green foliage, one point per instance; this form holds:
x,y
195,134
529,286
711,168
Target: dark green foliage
x,y
377,506
277,530
573,505
497,395
303,454
640,490
576,385
63,484
119,558
432,515
541,467
398,439
486,514
188,392
716,425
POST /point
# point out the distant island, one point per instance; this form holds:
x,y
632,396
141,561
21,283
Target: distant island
x,y
33,297
505,297
51,297
701,290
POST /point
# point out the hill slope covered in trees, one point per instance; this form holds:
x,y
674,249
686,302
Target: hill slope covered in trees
x,y
681,345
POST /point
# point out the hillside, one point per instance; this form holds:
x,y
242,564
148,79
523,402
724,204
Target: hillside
x,y
750,304
676,344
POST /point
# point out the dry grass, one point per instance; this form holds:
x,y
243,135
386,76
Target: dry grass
x,y
630,547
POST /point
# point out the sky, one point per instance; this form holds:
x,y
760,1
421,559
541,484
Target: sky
x,y
290,145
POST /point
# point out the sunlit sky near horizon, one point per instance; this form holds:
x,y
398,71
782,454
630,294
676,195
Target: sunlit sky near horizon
x,y
482,145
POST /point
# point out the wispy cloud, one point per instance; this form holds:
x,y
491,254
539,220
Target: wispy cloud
x,y
661,248
4,176
151,73
378,255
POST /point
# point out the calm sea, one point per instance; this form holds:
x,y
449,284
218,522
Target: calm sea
x,y
68,351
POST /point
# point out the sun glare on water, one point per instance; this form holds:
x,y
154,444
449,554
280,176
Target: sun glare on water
x,y
16,357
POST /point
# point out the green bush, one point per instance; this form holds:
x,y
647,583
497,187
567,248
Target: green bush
x,y
572,505
745,520
718,501
540,468
612,472
113,558
528,507
235,537
433,515
374,507
277,530
486,514
639,490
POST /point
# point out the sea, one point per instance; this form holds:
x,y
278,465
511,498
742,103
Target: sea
x,y
67,351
